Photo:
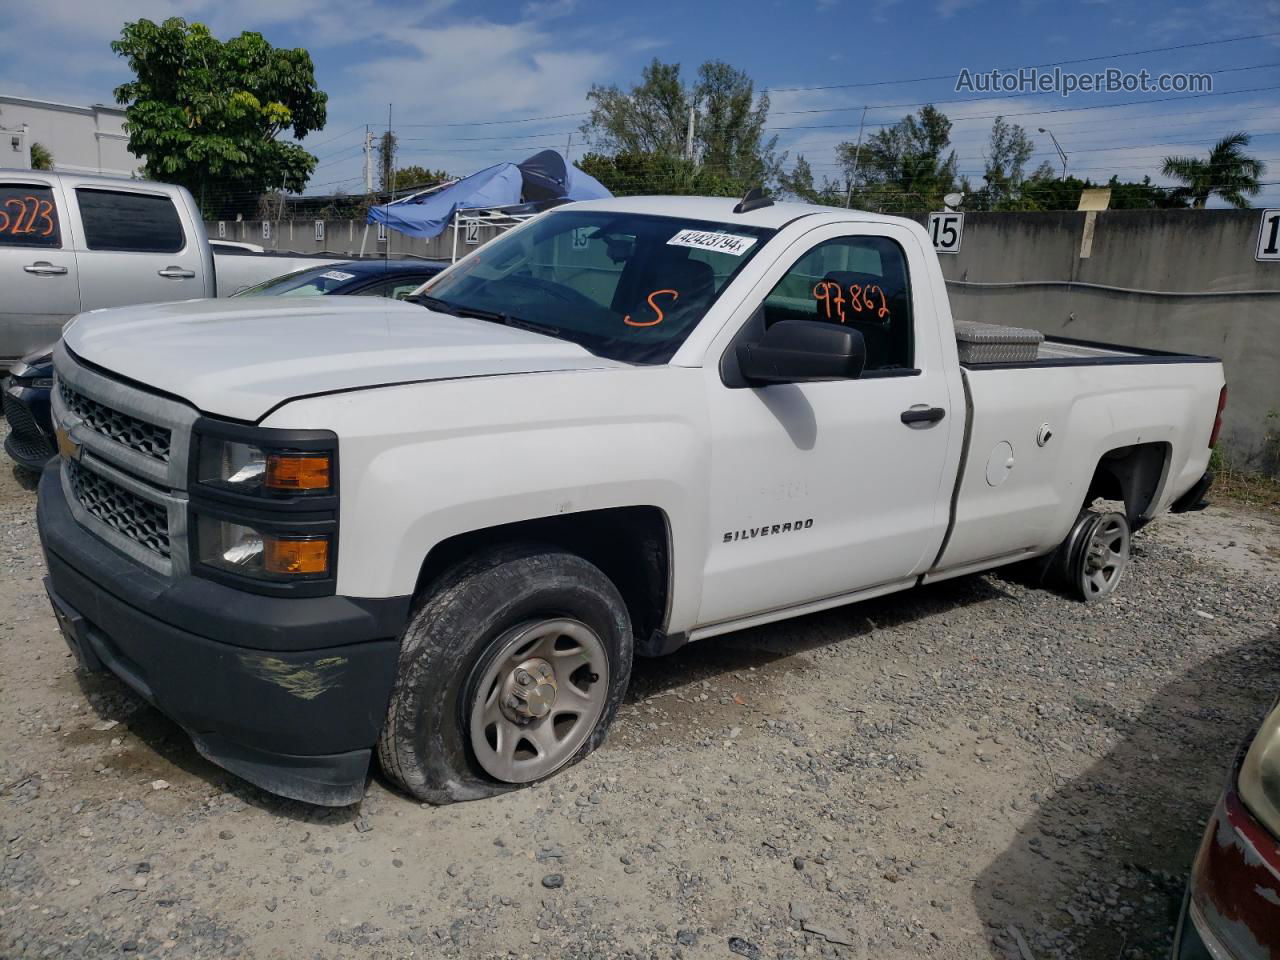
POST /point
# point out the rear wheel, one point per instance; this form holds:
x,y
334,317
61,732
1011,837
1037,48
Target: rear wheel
x,y
1098,555
512,668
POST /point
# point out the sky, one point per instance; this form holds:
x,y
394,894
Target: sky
x,y
473,83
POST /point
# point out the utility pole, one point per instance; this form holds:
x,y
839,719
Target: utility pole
x,y
688,140
568,147
857,157
391,180
368,160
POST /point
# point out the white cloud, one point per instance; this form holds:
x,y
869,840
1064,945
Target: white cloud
x,y
947,9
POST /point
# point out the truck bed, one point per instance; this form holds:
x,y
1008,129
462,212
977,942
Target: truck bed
x,y
1066,352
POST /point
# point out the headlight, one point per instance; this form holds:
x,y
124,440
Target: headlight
x,y
1260,774
264,508
239,548
250,469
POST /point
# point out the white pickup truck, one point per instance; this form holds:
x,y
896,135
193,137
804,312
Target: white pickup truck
x,y
439,531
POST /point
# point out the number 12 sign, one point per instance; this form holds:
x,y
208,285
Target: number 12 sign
x,y
1269,236
945,230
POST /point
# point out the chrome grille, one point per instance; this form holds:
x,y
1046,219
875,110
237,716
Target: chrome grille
x,y
131,431
140,520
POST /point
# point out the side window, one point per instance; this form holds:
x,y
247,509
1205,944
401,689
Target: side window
x,y
402,288
28,216
857,281
134,222
380,289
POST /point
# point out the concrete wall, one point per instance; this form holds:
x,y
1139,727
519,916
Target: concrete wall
x,y
1162,252
81,139
342,237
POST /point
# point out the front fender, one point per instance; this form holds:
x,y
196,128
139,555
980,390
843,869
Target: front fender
x,y
421,463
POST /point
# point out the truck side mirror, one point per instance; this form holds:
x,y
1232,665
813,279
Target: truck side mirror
x,y
803,351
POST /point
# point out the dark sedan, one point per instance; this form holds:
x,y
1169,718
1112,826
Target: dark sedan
x,y
26,391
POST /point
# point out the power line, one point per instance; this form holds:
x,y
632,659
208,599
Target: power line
x,y
1036,66
1037,113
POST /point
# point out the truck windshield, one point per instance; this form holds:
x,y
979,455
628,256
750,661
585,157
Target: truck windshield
x,y
625,286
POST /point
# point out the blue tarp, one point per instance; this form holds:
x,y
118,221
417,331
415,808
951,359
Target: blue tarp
x,y
544,177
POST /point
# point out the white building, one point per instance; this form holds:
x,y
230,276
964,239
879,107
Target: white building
x,y
81,139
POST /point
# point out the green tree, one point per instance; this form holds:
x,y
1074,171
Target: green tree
x,y
1046,191
903,167
799,184
41,156
206,114
415,177
1228,172
652,120
631,174
1008,150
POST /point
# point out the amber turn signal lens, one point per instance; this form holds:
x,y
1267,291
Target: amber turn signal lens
x,y
298,471
296,556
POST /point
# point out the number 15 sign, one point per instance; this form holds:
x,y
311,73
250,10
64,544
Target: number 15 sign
x,y
945,230
1269,236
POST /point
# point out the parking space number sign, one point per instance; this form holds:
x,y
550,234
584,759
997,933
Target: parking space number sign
x,y
945,230
1269,236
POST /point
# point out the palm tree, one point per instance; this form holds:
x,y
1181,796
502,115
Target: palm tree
x,y
1228,172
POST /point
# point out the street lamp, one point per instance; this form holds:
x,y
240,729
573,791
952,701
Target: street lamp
x,y
1059,149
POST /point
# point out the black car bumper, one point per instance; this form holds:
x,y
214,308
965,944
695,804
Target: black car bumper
x,y
1194,499
288,693
30,441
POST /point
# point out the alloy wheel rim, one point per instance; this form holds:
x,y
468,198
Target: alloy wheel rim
x,y
1106,556
538,700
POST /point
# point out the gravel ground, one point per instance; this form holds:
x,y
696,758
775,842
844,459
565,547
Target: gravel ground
x,y
978,768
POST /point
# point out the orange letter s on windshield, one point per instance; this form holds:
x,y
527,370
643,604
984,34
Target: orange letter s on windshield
x,y
656,309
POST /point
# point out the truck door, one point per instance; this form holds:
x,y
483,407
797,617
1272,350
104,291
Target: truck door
x,y
38,288
819,490
135,248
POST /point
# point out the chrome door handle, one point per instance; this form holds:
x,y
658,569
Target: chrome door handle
x,y
43,268
176,273
924,415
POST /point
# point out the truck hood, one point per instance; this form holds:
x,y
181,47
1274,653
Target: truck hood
x,y
241,358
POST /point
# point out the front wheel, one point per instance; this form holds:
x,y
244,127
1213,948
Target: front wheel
x,y
512,668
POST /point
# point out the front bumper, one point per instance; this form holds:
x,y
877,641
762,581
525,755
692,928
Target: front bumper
x,y
1232,908
30,441
288,693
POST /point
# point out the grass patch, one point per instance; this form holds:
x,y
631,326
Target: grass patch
x,y
1253,490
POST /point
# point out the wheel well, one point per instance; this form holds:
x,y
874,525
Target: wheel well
x,y
1132,475
630,545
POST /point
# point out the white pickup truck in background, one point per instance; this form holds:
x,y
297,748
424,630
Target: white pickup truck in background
x,y
70,243
309,532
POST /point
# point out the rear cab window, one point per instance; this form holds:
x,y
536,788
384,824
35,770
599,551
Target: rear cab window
x,y
130,222
29,216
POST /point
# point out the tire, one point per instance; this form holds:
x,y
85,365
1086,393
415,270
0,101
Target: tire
x,y
1092,560
465,629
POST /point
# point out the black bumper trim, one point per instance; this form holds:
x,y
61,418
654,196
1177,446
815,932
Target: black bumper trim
x,y
212,609
1194,499
295,720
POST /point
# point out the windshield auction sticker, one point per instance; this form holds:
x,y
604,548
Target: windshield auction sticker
x,y
729,243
